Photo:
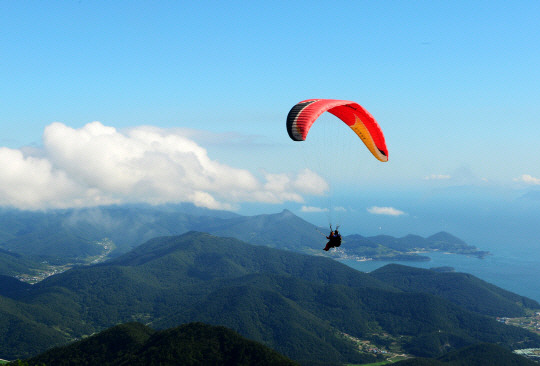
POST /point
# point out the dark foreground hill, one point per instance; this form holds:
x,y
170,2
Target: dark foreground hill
x,y
305,307
134,344
477,355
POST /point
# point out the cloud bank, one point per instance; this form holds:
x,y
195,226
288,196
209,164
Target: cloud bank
x,y
99,165
390,211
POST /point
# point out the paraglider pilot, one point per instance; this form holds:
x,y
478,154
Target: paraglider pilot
x,y
334,239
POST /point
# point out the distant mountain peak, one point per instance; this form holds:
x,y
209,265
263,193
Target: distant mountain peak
x,y
446,237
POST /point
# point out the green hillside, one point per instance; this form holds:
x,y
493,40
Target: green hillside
x,y
306,307
12,287
12,264
134,344
283,230
460,288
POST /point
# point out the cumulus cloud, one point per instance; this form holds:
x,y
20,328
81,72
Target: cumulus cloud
x,y
311,209
529,179
25,181
98,165
390,211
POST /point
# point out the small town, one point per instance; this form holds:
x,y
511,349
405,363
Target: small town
x,y
532,353
531,322
390,354
40,276
51,270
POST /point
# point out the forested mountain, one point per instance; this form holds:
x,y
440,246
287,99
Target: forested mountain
x,y
14,263
134,344
70,235
305,307
12,287
460,288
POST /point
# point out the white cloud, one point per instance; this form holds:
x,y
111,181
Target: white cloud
x,y
438,177
311,209
390,211
27,181
309,182
97,164
529,179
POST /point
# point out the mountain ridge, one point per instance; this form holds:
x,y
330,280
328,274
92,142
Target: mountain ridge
x,y
73,236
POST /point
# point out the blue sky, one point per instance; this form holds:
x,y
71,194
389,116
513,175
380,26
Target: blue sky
x,y
454,86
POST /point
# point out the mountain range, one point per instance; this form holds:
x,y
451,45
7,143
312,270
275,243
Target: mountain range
x,y
308,308
29,240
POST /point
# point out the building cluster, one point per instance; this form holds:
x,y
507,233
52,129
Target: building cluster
x,y
531,353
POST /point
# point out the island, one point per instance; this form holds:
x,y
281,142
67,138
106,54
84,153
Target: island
x,y
407,248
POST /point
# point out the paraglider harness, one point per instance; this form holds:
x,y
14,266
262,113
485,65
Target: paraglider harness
x,y
334,239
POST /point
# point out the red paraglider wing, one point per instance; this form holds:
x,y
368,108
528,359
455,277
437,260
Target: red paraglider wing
x,y
302,116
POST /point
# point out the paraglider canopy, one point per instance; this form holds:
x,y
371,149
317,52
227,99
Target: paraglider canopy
x,y
302,116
